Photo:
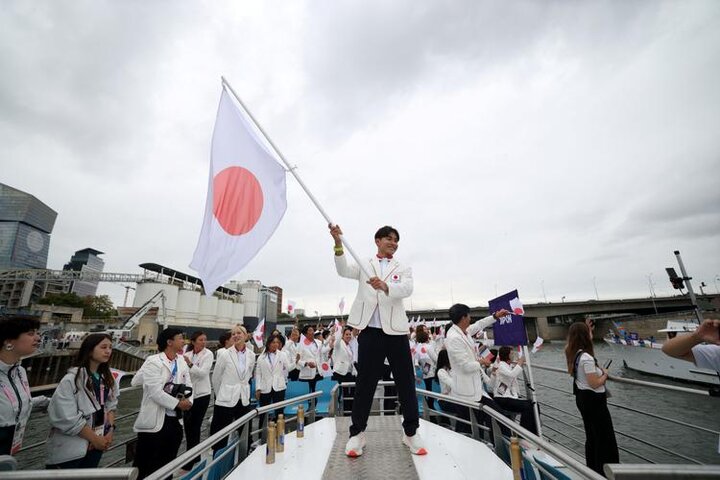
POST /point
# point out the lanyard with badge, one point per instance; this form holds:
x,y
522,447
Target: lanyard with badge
x,y
100,421
16,400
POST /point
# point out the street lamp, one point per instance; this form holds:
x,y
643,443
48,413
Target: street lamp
x,y
597,297
563,299
717,277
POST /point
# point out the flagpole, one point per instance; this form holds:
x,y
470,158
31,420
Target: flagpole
x,y
292,170
531,381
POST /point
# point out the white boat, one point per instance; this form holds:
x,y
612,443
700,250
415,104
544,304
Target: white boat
x,y
646,356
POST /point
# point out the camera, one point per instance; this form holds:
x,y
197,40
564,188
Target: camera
x,y
178,390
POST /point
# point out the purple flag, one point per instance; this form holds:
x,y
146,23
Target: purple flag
x,y
509,330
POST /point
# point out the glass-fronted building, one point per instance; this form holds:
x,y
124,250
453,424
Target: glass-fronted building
x,y
85,260
25,227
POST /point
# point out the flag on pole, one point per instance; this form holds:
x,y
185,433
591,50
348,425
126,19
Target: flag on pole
x,y
291,308
509,330
341,305
259,333
537,345
117,374
245,200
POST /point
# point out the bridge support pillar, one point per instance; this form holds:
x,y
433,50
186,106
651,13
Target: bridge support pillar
x,y
543,330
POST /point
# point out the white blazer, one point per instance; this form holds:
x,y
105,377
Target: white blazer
x,y
272,376
200,371
466,371
153,375
446,381
231,384
506,382
392,312
291,349
343,358
427,359
308,353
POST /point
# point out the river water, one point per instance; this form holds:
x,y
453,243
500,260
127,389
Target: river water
x,y
694,409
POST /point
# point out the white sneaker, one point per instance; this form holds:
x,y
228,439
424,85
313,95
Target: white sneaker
x,y
415,444
354,446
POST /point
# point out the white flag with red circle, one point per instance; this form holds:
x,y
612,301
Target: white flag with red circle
x,y
259,333
246,197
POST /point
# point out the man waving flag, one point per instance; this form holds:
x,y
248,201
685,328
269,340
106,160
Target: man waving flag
x,y
246,196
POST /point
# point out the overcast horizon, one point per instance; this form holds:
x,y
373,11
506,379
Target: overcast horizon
x,y
551,147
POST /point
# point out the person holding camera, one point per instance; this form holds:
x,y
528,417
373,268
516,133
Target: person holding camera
x,y
167,393
231,383
591,397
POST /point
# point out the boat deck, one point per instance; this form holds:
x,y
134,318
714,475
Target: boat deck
x,y
321,455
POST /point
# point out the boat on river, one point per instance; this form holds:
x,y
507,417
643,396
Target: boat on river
x,y
646,355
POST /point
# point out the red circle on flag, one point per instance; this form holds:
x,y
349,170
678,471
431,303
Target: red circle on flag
x,y
237,200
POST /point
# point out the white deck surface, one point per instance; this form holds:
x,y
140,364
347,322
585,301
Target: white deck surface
x,y
454,456
450,456
303,458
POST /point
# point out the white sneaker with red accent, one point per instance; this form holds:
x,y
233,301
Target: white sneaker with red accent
x,y
354,446
415,444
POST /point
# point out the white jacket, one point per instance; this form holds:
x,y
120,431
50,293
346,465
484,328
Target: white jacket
x,y
343,358
153,375
291,349
446,382
392,312
308,353
427,358
506,382
231,384
200,371
70,409
466,371
272,376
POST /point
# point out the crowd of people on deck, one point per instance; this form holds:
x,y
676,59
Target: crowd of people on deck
x,y
178,382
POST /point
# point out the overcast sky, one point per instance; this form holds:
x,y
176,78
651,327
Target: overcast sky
x,y
528,145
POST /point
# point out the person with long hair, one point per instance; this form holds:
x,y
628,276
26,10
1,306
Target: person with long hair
x,y
231,383
271,373
166,381
200,361
426,357
447,384
18,338
591,397
507,390
82,409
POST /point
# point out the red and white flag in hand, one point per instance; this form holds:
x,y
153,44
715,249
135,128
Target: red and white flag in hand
x,y
517,307
341,305
259,333
246,197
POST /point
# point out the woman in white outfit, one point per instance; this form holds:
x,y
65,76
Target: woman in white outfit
x,y
231,383
291,348
344,367
18,338
507,390
200,361
427,358
82,409
309,357
271,372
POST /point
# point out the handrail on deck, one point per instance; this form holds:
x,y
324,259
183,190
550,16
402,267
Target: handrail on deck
x,y
617,471
74,474
209,442
631,381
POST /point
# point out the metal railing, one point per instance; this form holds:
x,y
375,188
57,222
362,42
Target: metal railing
x,y
645,442
73,474
659,472
241,444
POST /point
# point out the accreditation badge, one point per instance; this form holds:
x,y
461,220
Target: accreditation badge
x,y
18,437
